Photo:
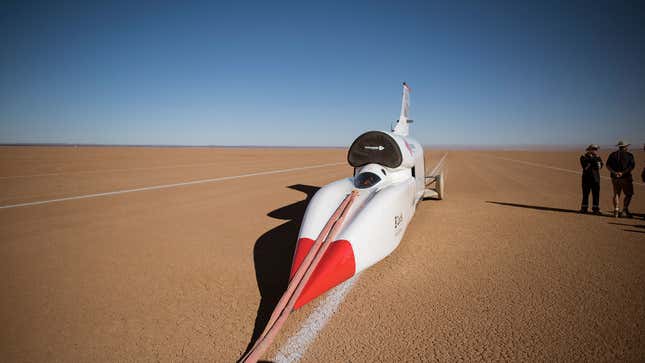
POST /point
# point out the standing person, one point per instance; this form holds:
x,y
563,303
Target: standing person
x,y
591,164
643,177
621,163
643,172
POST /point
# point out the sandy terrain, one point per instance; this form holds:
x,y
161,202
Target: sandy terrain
x,y
503,269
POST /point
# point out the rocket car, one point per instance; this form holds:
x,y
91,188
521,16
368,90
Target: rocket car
x,y
389,176
353,223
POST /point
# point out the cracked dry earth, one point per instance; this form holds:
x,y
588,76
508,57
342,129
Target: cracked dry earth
x,y
502,270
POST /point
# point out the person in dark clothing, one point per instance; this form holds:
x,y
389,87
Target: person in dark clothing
x,y
643,178
643,172
621,163
591,164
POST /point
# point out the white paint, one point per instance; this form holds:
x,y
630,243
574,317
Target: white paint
x,y
549,167
370,227
166,186
297,345
80,172
402,127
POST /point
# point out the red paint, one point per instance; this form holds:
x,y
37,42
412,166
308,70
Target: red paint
x,y
302,248
336,266
408,147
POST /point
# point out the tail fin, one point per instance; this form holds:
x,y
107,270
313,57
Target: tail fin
x,y
401,127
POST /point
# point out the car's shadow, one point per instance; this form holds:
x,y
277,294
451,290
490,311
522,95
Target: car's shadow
x,y
549,209
537,207
562,210
272,256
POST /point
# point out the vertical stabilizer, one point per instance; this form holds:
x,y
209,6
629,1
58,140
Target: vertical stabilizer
x,y
401,127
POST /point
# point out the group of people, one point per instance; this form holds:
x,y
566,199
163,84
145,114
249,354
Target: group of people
x,y
620,164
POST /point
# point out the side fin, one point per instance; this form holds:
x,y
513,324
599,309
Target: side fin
x,y
401,127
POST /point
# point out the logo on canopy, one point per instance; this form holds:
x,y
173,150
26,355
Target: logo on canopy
x,y
379,148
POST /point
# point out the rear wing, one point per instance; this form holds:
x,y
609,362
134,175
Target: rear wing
x,y
401,127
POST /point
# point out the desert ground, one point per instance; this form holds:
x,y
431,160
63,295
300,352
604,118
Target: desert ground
x,y
122,262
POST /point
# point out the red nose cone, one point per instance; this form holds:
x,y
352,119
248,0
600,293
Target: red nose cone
x,y
336,266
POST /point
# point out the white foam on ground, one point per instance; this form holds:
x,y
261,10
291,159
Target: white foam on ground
x,y
166,186
296,346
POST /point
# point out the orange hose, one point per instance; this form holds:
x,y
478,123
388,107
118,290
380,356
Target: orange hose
x,y
300,279
297,277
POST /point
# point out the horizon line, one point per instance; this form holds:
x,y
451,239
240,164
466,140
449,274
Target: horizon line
x,y
250,146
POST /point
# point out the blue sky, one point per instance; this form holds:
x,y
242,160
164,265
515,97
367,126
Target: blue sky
x,y
320,73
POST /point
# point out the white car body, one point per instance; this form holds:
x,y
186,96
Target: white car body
x,y
378,218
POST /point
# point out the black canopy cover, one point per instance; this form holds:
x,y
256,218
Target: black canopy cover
x,y
375,147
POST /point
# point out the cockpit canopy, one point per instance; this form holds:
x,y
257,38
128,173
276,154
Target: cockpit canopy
x,y
366,180
375,147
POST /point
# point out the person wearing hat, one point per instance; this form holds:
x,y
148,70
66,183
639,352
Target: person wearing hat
x,y
591,164
620,164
